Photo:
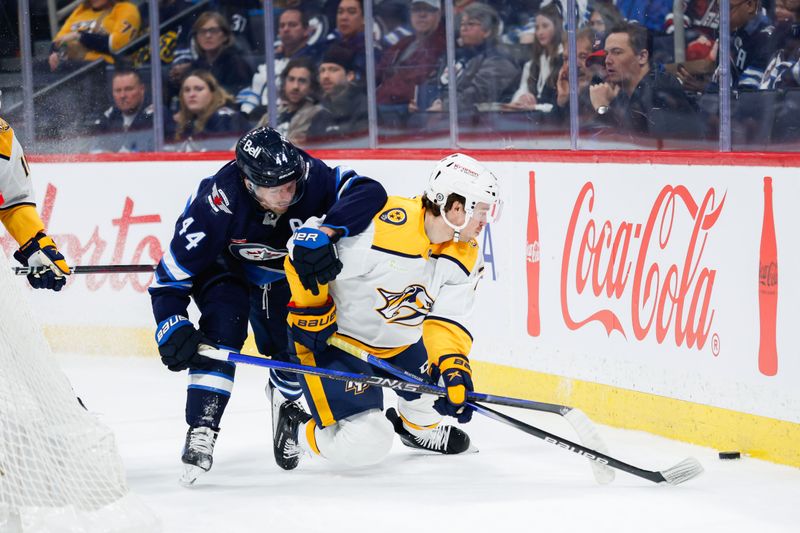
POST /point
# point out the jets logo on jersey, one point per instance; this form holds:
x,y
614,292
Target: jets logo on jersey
x,y
218,201
255,252
408,307
396,216
356,387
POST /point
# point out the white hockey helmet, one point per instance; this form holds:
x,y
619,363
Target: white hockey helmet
x,y
463,175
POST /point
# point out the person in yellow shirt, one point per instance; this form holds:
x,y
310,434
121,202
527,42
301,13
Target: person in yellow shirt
x,y
18,215
96,29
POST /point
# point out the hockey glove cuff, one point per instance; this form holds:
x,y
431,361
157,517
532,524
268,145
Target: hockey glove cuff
x,y
311,326
314,257
177,342
454,373
41,251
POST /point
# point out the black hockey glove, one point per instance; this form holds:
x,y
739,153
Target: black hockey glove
x,y
177,342
312,326
314,258
39,251
453,373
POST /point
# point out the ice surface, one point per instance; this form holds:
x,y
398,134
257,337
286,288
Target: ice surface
x,y
515,483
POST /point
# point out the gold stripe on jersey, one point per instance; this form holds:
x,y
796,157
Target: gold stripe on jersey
x,y
443,337
314,384
381,353
22,222
6,140
311,436
400,228
463,254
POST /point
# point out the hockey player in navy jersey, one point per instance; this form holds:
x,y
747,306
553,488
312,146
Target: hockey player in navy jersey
x,y
405,294
227,255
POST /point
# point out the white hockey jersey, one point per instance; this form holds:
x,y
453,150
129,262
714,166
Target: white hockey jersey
x,y
397,286
17,205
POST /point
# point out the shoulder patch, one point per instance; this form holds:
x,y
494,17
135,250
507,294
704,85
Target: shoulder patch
x,y
396,216
218,200
4,125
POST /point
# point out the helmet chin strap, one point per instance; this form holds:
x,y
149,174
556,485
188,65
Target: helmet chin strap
x,y
457,229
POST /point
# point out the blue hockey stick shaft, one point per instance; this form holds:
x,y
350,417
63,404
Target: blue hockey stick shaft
x,y
581,424
681,472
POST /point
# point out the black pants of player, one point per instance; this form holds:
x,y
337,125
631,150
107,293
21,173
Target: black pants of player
x,y
227,301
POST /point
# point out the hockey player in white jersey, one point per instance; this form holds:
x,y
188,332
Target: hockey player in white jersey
x,y
18,215
405,294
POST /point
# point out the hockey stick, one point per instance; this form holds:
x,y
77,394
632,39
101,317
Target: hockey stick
x,y
683,471
586,431
87,269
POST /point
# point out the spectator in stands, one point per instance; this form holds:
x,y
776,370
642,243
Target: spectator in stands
x,y
128,114
637,98
175,41
349,33
298,106
344,104
604,17
652,14
783,71
584,41
392,18
484,72
293,35
216,53
206,109
753,42
94,30
540,74
411,63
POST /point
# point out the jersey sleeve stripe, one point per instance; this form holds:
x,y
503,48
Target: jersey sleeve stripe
x,y
453,322
458,263
393,252
173,269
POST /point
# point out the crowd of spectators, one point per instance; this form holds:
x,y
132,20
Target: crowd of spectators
x,y
511,57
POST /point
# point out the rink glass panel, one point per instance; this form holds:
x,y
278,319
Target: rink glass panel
x,y
67,105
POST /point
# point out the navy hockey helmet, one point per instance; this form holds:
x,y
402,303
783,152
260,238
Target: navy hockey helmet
x,y
267,159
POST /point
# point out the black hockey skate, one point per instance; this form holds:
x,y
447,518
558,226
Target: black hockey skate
x,y
285,443
443,439
198,453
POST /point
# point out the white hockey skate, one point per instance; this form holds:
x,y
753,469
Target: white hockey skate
x,y
444,439
198,453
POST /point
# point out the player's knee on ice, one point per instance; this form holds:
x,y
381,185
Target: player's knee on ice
x,y
360,440
419,412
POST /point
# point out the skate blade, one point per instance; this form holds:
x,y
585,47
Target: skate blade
x,y
190,475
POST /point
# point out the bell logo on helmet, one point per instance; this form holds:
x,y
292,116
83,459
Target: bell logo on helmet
x,y
254,151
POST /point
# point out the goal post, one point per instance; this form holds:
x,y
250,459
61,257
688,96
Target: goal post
x,y
59,465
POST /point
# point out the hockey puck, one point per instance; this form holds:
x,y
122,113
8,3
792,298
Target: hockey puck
x,y
730,455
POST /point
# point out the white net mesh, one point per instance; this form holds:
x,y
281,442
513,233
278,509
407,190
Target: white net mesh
x,y
59,466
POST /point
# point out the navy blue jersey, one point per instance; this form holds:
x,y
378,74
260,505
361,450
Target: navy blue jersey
x,y
752,47
223,223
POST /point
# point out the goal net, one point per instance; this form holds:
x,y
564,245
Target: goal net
x,y
59,466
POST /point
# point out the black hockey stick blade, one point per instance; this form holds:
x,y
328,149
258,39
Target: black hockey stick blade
x,y
679,473
88,269
581,424
687,469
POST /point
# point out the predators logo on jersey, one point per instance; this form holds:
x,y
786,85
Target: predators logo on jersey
x,y
408,307
396,216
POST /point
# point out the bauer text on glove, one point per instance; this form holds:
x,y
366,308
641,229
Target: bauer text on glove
x,y
314,257
177,342
312,326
